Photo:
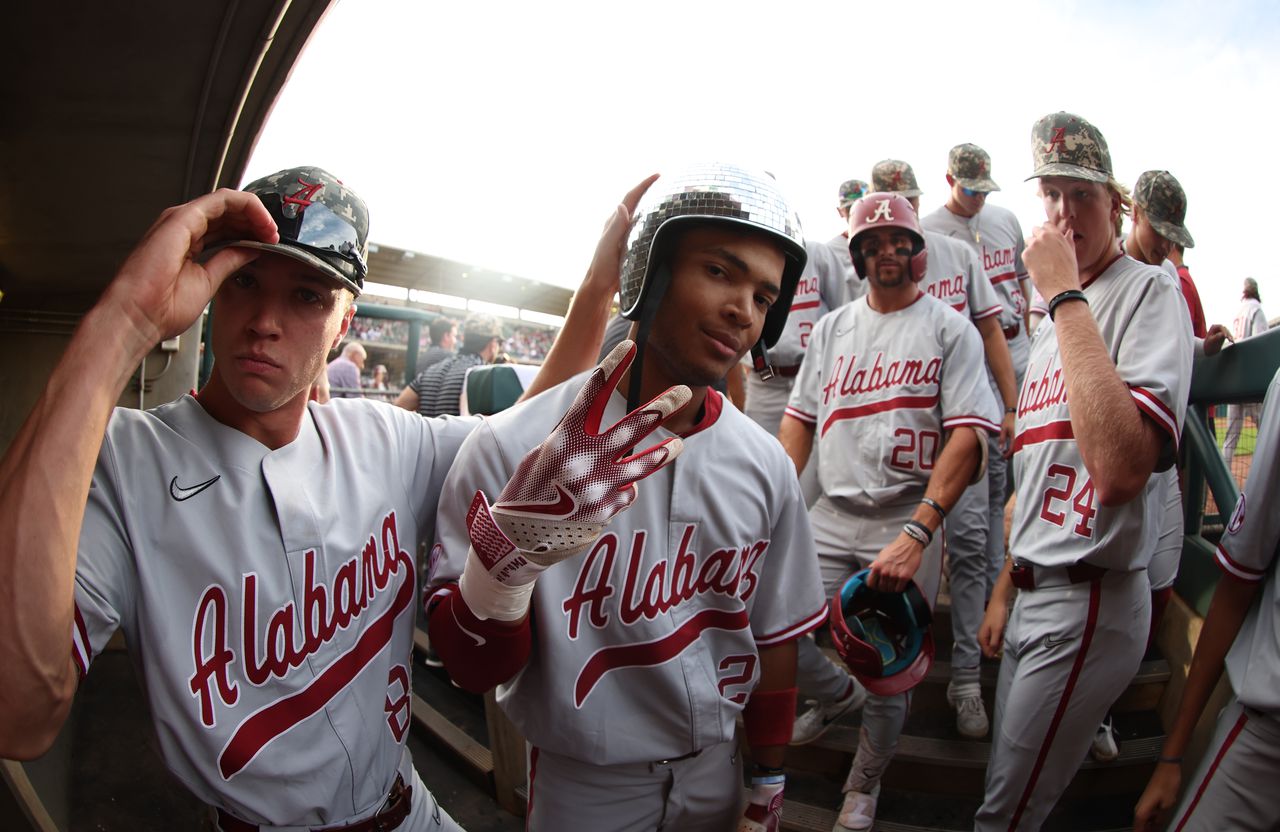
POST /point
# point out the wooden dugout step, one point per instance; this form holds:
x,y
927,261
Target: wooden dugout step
x,y
806,809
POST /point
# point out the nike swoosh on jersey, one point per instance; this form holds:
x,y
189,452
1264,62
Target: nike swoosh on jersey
x,y
563,506
181,492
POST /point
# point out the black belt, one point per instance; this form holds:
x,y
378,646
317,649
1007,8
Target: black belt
x,y
390,816
786,372
1027,575
1011,332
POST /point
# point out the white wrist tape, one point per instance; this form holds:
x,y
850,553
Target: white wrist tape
x,y
488,598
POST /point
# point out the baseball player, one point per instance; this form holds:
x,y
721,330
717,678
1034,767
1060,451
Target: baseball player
x,y
995,235
626,662
956,277
821,288
893,392
1249,321
851,191
256,551
1234,785
1099,412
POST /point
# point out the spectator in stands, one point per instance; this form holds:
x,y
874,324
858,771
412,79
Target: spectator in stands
x,y
344,372
1249,321
437,391
444,339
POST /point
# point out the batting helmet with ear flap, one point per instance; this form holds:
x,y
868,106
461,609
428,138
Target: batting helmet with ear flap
x,y
884,637
886,210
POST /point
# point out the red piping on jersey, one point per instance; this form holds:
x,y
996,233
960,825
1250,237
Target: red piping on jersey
x,y
1095,598
1159,412
1004,277
803,627
82,661
653,653
1239,570
896,403
995,310
256,731
1204,784
1047,432
808,304
533,775
1102,270
970,422
807,418
711,407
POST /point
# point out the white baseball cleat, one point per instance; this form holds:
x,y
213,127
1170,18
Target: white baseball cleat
x,y
971,714
857,814
1104,748
816,721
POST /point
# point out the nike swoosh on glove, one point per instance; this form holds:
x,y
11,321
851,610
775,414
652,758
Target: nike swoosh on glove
x,y
764,809
566,490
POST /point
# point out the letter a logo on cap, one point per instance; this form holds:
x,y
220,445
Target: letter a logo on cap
x,y
883,212
1059,138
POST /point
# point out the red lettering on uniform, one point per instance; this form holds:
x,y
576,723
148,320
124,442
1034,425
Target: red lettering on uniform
x,y
1047,391
1059,138
857,379
805,287
997,258
215,665
949,289
593,598
668,582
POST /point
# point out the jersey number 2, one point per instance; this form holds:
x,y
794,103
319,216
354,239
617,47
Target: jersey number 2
x,y
748,664
1081,505
400,709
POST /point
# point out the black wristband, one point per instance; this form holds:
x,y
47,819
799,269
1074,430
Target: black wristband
x,y
1063,297
920,529
936,506
1011,410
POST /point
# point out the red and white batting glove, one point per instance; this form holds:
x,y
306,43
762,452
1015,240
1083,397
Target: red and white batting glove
x,y
764,809
564,492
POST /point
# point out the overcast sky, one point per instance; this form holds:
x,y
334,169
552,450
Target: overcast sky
x,y
502,133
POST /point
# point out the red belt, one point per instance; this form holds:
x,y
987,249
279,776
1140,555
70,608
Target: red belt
x,y
1011,332
1027,575
393,813
787,372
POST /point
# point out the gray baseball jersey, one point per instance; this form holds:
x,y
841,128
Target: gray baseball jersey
x,y
1244,755
840,245
1057,518
880,391
646,644
1071,648
1248,551
268,597
955,276
1249,320
822,287
994,233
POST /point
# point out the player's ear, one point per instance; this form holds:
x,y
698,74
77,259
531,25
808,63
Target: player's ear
x,y
346,322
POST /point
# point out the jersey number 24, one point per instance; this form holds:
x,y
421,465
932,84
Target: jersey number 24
x,y
1063,494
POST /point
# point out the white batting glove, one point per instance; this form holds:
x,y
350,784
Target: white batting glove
x,y
764,808
564,492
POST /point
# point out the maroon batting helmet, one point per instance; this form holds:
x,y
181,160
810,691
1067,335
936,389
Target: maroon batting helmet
x,y
886,210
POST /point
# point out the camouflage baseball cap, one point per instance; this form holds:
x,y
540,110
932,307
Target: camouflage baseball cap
x,y
851,191
1063,144
322,223
970,165
894,176
1162,199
